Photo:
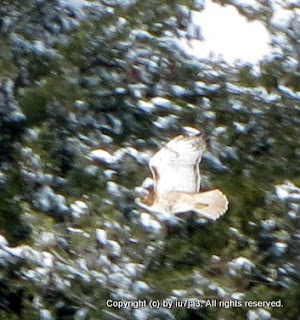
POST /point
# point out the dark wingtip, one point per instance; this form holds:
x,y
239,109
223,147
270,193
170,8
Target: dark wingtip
x,y
206,138
192,132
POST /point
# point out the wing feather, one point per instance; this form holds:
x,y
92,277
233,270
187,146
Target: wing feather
x,y
176,166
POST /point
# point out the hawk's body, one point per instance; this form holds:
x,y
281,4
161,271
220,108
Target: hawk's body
x,y
176,174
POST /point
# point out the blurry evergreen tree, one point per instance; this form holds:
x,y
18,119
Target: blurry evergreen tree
x,y
74,77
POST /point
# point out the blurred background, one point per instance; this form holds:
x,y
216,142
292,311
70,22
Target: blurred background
x,y
125,77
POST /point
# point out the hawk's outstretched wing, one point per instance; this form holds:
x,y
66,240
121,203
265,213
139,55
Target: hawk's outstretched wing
x,y
176,166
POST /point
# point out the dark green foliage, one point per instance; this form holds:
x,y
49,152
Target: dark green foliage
x,y
11,223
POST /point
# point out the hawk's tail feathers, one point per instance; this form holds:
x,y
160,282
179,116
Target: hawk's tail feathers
x,y
209,204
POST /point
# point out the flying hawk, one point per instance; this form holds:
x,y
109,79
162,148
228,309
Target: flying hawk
x,y
176,175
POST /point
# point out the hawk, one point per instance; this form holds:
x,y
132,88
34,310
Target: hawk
x,y
177,179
